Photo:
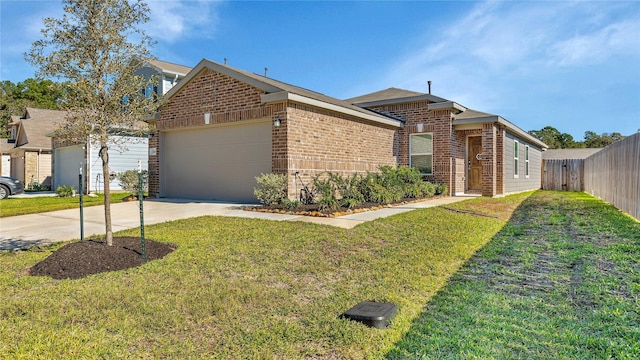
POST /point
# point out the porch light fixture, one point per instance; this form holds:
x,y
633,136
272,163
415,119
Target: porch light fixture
x,y
276,122
207,118
420,127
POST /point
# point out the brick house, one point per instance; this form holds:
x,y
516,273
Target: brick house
x,y
221,127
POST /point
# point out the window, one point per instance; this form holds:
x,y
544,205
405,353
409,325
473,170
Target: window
x,y
526,161
516,163
421,152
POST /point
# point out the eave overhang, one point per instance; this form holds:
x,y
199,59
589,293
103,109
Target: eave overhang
x,y
287,96
499,120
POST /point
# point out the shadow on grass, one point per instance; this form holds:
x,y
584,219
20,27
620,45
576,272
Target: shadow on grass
x,y
556,282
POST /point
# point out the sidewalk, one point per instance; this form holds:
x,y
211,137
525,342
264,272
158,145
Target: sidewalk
x,y
23,231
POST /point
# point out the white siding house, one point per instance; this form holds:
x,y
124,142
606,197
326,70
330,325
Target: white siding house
x,y
69,159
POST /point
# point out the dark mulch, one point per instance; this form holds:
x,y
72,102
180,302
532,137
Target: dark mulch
x,y
83,258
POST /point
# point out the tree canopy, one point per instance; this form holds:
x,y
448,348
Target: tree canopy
x,y
557,140
97,47
37,93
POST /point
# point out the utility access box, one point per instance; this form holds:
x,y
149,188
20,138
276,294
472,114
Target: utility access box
x,y
373,314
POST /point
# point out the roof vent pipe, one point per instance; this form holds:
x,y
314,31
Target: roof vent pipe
x,y
429,83
265,71
225,61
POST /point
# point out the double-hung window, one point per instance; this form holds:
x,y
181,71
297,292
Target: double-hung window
x,y
516,162
526,161
421,152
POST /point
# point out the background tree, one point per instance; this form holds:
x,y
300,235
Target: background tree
x,y
96,47
37,93
554,138
593,140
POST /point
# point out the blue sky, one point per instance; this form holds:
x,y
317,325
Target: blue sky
x,y
574,65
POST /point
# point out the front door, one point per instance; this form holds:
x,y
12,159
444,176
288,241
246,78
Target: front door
x,y
474,163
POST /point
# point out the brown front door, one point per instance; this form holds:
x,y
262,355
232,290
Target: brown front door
x,y
474,163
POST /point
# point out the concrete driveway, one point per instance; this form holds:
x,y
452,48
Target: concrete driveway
x,y
23,231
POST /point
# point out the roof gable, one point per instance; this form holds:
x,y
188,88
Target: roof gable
x,y
167,67
278,91
392,96
34,127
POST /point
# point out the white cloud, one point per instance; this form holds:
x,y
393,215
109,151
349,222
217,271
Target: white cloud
x,y
173,20
497,46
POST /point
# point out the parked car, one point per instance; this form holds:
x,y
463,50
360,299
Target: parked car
x,y
10,186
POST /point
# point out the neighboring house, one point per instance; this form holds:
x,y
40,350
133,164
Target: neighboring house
x,y
169,74
29,148
221,127
5,157
124,154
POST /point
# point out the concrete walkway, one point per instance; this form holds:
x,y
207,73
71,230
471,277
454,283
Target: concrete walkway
x,y
23,231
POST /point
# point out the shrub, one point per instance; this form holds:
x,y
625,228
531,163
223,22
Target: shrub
x,y
290,204
349,190
271,189
66,191
325,187
129,181
441,189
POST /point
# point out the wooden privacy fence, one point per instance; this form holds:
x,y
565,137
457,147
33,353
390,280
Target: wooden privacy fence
x,y
613,174
566,174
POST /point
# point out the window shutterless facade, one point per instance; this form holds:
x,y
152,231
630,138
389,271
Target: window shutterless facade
x,y
526,161
516,162
421,152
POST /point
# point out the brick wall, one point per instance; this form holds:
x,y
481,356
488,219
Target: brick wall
x,y
320,140
309,140
489,156
437,122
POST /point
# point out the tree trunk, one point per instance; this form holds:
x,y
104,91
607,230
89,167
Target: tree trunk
x,y
104,155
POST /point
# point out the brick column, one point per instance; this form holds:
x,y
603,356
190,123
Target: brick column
x,y
489,183
154,164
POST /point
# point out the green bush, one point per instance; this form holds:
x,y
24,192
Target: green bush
x,y
271,189
325,187
129,181
441,189
66,191
290,204
349,190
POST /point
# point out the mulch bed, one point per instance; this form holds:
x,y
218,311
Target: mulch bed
x,y
88,257
313,210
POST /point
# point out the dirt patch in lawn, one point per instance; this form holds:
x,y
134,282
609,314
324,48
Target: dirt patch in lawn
x,y
84,258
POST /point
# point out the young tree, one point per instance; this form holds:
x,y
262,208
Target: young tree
x,y
96,47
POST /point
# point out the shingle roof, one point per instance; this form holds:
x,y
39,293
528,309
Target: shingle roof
x,y
390,95
170,67
271,86
562,154
386,94
37,124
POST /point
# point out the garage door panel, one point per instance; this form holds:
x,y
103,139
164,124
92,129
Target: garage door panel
x,y
218,163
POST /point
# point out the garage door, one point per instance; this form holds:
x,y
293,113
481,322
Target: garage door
x,y
67,162
216,163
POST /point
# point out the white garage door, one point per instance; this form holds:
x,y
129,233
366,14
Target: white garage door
x,y
216,163
67,162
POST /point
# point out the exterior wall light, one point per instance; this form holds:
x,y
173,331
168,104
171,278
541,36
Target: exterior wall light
x,y
276,122
420,127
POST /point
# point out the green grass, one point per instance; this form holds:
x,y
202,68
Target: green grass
x,y
34,205
560,281
246,288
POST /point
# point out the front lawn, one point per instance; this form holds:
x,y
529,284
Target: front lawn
x,y
560,281
246,288
33,205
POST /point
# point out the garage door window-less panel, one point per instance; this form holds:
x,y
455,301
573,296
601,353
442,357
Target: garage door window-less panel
x,y
216,163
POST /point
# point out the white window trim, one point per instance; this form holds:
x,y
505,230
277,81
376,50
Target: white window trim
x,y
411,154
526,161
516,159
